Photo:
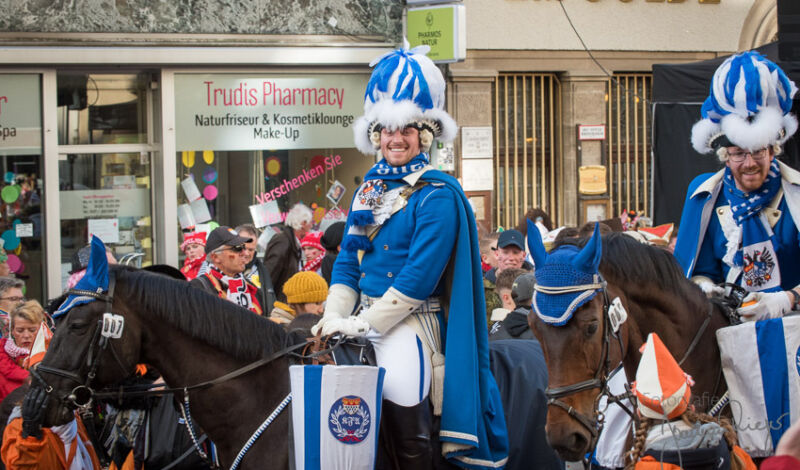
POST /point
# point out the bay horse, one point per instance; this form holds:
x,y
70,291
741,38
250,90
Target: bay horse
x,y
581,354
190,337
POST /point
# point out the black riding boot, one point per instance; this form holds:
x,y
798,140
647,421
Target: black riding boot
x,y
407,432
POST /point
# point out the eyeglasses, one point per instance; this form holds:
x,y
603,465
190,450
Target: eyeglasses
x,y
235,249
739,157
13,299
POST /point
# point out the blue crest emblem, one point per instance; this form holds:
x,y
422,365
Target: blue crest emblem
x,y
349,419
797,360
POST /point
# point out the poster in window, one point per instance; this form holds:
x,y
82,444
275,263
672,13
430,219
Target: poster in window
x,y
336,193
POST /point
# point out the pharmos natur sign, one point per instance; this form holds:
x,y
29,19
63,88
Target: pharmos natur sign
x,y
234,112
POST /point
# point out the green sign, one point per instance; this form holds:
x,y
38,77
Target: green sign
x,y
440,27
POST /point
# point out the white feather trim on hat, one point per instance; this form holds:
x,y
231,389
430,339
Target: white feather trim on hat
x,y
702,132
765,129
394,115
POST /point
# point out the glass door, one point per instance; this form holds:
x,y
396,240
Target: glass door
x,y
106,144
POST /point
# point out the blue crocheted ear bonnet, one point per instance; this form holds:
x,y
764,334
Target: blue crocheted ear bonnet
x,y
565,279
95,279
748,106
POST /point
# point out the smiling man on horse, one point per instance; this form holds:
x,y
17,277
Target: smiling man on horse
x,y
410,260
740,224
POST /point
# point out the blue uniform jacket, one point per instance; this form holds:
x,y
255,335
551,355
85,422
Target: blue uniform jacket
x,y
701,242
410,253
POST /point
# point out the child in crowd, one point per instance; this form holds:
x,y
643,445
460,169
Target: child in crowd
x,y
305,292
671,435
193,247
505,281
313,252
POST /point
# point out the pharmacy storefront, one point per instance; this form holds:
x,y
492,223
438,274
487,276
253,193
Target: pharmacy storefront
x,y
143,145
251,146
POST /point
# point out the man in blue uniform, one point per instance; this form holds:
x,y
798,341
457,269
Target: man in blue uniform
x,y
409,275
740,225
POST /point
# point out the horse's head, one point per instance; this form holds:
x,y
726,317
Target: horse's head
x,y
570,321
94,345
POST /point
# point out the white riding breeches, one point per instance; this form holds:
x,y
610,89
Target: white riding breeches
x,y
408,367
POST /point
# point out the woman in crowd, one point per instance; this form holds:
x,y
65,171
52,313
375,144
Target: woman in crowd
x,y
305,293
193,247
23,326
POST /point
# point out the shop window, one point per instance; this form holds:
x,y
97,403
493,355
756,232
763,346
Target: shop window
x,y
21,230
102,108
234,187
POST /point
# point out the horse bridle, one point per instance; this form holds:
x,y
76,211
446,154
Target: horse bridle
x,y
601,377
81,395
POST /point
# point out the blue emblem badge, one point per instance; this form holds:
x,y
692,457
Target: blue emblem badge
x,y
797,360
349,419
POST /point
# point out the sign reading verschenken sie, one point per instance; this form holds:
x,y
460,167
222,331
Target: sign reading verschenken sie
x,y
234,112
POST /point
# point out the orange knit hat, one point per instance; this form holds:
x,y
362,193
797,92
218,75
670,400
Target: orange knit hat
x,y
663,389
305,287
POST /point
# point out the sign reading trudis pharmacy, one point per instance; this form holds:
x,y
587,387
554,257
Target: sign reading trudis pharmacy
x,y
232,112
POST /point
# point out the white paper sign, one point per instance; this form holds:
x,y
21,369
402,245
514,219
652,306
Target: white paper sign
x,y
190,189
266,214
24,230
592,132
185,216
106,230
200,210
477,175
104,203
476,142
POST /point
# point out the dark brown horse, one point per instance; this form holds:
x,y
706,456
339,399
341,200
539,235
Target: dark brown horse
x,y
190,337
581,353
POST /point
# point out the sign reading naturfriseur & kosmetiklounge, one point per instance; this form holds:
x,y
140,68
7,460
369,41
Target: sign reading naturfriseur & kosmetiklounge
x,y
235,112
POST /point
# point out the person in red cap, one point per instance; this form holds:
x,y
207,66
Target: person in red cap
x,y
313,252
671,435
193,247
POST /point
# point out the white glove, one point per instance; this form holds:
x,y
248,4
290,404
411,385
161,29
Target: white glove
x,y
707,285
767,305
340,303
351,327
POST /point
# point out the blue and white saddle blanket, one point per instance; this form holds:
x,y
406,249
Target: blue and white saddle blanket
x,y
761,363
336,412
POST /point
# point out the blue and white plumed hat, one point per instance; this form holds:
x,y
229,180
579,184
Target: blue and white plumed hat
x,y
95,280
566,279
406,88
749,106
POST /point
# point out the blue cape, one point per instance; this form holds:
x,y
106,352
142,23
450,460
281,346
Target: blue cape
x,y
472,412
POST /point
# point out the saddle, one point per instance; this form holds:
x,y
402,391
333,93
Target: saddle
x,y
339,351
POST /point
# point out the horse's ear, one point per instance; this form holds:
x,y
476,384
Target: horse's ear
x,y
535,245
588,259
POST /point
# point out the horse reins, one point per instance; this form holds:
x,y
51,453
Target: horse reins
x,y
601,377
82,395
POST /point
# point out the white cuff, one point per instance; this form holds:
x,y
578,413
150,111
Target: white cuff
x,y
341,301
390,310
